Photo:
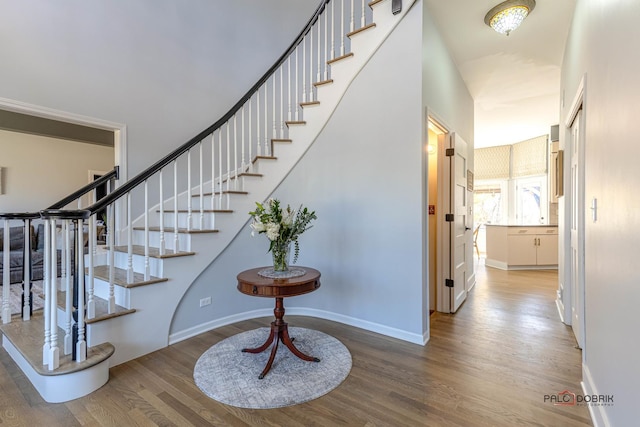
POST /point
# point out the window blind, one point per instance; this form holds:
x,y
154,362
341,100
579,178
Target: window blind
x,y
492,162
529,157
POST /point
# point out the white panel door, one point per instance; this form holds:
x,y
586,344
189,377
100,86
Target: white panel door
x,y
577,230
459,227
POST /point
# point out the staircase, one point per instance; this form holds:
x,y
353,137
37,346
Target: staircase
x,y
166,225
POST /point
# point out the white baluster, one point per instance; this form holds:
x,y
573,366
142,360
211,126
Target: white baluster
x,y
304,69
201,187
219,170
333,29
26,284
266,120
311,56
236,141
250,141
362,20
129,240
189,198
319,74
46,347
213,181
93,244
111,301
66,249
176,238
326,43
163,245
296,98
53,360
228,164
147,273
289,81
213,171
81,345
342,34
258,145
6,278
243,152
273,110
352,25
282,104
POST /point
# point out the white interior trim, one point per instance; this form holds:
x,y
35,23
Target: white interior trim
x,y
119,129
577,102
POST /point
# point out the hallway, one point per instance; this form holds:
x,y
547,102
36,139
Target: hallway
x,y
491,364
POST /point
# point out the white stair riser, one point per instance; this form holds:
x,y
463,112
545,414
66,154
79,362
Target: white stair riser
x,y
155,264
184,240
207,222
101,289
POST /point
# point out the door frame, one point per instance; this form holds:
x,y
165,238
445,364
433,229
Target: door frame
x,y
566,285
119,130
119,135
443,245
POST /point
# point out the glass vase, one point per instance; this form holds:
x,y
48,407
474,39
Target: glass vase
x,y
281,254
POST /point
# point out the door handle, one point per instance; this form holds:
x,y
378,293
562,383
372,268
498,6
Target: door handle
x,y
467,229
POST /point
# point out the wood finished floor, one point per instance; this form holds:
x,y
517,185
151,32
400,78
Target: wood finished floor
x,y
488,365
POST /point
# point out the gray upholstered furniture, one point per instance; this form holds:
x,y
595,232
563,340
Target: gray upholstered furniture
x,y
16,248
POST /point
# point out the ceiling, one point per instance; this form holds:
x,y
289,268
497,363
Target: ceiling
x,y
514,80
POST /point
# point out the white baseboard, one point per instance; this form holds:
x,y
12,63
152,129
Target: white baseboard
x,y
560,307
598,413
420,339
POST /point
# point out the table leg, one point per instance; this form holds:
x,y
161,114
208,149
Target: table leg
x,y
279,332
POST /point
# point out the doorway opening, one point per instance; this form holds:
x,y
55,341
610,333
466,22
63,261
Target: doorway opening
x,y
451,271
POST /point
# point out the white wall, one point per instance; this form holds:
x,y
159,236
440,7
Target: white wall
x,y
38,171
602,43
165,69
365,178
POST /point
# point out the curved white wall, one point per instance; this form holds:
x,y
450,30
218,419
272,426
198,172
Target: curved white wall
x,y
364,176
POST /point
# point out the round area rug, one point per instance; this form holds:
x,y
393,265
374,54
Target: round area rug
x,y
228,375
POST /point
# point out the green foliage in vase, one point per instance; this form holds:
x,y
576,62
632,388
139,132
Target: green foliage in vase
x,y
282,226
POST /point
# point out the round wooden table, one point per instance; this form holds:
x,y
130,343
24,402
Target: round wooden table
x,y
251,283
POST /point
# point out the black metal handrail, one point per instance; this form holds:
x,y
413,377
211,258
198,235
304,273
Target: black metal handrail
x,y
151,170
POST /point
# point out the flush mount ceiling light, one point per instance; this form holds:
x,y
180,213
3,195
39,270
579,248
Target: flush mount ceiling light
x,y
508,15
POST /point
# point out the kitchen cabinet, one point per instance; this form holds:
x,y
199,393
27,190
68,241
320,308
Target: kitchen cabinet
x,y
522,247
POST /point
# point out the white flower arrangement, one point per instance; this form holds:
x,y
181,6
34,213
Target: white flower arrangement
x,y
282,226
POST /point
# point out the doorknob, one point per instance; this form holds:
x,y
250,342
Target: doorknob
x,y
467,229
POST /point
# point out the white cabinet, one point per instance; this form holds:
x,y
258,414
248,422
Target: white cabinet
x,y
512,247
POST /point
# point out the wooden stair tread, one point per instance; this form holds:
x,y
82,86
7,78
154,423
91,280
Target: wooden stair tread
x,y
340,58
28,338
153,252
323,82
295,122
281,140
256,158
259,175
217,193
374,2
102,308
180,230
198,210
361,29
120,277
309,104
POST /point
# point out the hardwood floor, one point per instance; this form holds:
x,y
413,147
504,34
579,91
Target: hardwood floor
x,y
488,365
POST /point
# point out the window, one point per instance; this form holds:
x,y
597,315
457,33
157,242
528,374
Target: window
x,y
511,183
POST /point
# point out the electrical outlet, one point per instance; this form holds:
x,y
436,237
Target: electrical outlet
x,y
205,301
